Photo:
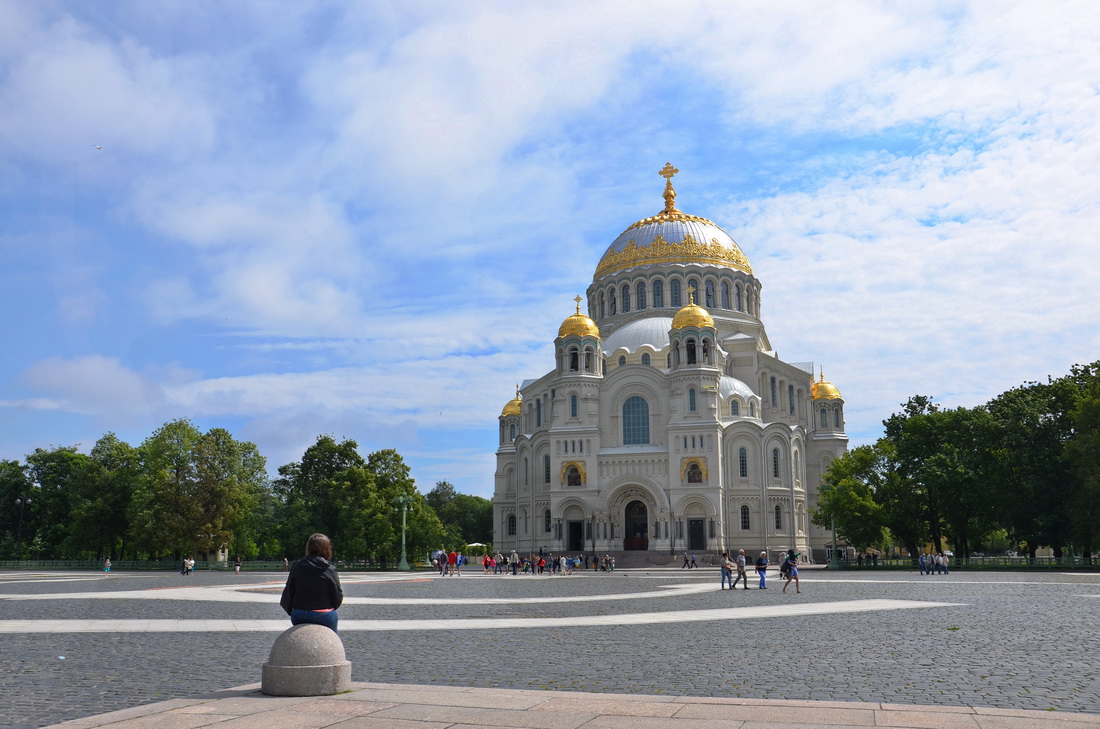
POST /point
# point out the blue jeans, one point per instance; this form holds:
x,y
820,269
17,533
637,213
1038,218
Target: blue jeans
x,y
727,576
763,578
328,619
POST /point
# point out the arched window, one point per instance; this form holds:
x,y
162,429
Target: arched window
x,y
573,477
635,421
823,417
737,297
674,292
546,470
538,413
775,394
735,408
778,517
572,406
691,399
694,474
690,351
725,295
587,359
546,518
574,360
511,525
742,463
512,432
790,398
526,473
602,307
752,409
645,359
658,294
622,360
775,462
709,288
836,418
626,298
611,302
640,295
745,518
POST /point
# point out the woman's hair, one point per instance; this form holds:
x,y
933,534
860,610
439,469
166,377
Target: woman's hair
x,y
319,544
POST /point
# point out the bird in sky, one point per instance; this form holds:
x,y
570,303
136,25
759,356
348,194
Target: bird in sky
x,y
97,146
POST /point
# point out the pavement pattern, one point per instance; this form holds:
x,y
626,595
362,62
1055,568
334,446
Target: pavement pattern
x,y
77,645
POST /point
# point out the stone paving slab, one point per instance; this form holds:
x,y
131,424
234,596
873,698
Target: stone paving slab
x,y
430,707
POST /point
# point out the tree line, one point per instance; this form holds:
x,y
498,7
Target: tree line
x,y
1017,473
183,492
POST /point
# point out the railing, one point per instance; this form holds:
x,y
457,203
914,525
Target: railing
x,y
981,563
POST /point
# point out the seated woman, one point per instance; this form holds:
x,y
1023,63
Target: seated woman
x,y
313,591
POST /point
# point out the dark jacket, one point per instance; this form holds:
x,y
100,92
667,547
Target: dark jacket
x,y
313,584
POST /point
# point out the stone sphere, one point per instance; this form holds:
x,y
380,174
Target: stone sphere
x,y
307,645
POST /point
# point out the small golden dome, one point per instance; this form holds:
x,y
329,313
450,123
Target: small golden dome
x,y
692,315
578,324
823,390
513,406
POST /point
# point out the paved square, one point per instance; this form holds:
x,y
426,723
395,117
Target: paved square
x,y
78,644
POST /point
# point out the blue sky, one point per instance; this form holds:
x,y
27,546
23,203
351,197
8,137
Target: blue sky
x,y
369,219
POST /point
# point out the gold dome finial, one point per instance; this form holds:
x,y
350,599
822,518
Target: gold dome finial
x,y
514,406
823,390
692,315
667,172
578,324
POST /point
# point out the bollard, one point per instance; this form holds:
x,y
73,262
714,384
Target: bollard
x,y
306,660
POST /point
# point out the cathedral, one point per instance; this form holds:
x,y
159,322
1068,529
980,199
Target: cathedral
x,y
667,424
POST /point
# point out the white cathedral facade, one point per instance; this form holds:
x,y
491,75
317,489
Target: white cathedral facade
x,y
667,423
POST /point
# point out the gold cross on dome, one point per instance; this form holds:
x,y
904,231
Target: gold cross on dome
x,y
578,300
668,171
669,194
691,295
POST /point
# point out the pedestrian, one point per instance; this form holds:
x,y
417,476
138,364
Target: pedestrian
x,y
762,569
107,567
742,573
286,565
945,562
237,566
693,560
687,564
452,561
920,563
727,570
313,593
792,570
513,559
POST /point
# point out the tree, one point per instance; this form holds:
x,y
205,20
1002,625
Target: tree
x,y
443,494
59,473
15,487
102,500
1082,457
848,497
473,515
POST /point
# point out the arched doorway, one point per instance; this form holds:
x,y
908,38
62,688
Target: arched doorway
x,y
636,520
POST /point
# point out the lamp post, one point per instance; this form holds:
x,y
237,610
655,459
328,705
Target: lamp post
x,y
403,501
21,502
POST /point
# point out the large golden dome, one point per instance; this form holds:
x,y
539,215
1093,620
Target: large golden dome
x,y
823,390
671,236
513,406
578,324
692,315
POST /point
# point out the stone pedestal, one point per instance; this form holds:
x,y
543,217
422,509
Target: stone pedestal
x,y
306,660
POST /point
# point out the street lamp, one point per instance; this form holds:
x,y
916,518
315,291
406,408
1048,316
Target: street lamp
x,y
403,501
21,503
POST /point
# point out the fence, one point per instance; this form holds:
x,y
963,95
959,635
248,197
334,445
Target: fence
x,y
165,565
1012,564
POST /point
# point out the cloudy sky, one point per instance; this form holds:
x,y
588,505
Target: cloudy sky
x,y
369,219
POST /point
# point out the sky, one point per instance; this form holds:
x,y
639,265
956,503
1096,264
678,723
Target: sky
x,y
368,220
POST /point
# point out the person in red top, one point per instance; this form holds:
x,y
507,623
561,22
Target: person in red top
x,y
452,562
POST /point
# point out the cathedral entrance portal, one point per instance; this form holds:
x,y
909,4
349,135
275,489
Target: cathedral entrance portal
x,y
637,526
576,536
697,540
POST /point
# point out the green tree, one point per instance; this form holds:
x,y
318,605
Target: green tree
x,y
473,515
15,486
102,500
60,474
847,498
443,493
1082,457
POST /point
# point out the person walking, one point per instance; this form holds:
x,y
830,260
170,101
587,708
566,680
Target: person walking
x,y
742,573
792,570
686,564
762,569
727,570
107,567
237,566
693,561
312,593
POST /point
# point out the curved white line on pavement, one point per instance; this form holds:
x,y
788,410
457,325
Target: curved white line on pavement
x,y
258,594
674,616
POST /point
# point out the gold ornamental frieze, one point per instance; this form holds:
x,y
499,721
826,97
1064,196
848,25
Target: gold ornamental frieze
x,y
688,250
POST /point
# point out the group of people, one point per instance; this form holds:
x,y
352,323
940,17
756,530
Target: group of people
x,y
544,564
933,563
738,565
187,567
448,564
